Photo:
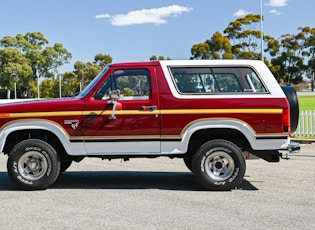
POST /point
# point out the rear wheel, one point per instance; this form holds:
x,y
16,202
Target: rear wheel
x,y
219,165
33,165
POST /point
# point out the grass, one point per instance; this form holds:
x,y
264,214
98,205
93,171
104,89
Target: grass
x,y
306,102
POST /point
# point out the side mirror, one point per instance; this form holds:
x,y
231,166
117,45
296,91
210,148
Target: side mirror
x,y
114,96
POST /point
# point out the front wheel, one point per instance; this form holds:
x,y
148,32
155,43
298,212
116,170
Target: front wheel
x,y
64,165
33,165
188,162
219,165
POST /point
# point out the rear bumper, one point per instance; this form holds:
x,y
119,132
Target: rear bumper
x,y
294,147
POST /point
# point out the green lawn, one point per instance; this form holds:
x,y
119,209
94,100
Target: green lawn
x,y
306,102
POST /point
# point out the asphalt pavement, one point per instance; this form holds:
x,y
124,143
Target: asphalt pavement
x,y
162,194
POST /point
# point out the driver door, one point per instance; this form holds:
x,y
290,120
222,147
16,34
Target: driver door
x,y
134,127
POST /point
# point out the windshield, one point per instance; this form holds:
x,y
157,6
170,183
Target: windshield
x,y
92,83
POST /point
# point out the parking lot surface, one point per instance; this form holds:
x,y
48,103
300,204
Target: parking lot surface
x,y
162,194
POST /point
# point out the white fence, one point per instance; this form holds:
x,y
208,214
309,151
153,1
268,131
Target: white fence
x,y
306,127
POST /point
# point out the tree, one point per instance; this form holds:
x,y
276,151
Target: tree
x,y
295,57
310,48
243,35
160,58
102,60
14,68
70,84
219,47
86,72
239,41
43,59
201,50
49,88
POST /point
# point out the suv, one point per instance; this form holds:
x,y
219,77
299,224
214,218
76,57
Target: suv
x,y
212,113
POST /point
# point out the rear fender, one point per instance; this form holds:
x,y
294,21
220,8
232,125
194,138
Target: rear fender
x,y
257,142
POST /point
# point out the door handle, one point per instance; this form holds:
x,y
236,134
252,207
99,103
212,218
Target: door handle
x,y
148,107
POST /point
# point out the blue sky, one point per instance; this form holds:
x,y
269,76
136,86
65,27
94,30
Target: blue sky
x,y
134,30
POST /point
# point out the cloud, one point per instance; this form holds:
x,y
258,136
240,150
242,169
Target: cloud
x,y
241,13
276,12
102,16
155,16
277,3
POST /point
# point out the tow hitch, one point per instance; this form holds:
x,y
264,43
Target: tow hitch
x,y
294,147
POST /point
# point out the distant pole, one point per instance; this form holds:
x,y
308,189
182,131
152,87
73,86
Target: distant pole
x,y
312,81
313,73
15,90
38,87
261,31
60,95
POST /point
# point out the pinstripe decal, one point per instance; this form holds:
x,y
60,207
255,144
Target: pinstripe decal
x,y
140,112
218,111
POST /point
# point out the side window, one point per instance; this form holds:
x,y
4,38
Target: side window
x,y
255,84
228,82
133,84
207,80
194,80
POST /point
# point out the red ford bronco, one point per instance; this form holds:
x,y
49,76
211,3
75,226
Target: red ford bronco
x,y
211,113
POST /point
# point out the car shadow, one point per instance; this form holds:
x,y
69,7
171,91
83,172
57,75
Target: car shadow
x,y
182,181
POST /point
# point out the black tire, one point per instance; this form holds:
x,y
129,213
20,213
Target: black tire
x,y
188,162
64,165
219,165
291,95
33,165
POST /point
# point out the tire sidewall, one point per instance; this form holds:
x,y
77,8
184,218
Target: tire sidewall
x,y
213,147
51,173
188,162
291,95
64,165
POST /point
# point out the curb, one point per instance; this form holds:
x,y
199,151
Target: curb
x,y
303,141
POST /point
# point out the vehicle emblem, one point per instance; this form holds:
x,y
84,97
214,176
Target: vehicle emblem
x,y
74,123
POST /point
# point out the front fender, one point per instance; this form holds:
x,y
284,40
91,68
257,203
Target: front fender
x,y
62,135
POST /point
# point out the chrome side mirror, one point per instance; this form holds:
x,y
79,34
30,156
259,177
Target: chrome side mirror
x,y
114,96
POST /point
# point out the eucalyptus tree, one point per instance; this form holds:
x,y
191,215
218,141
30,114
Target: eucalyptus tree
x,y
160,58
42,58
239,41
15,70
295,58
218,47
87,71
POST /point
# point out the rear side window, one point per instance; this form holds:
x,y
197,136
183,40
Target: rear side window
x,y
207,80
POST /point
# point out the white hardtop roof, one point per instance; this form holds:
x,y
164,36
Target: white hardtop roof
x,y
259,66
211,62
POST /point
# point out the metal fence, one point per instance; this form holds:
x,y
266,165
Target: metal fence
x,y
306,127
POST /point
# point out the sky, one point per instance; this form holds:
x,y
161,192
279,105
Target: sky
x,y
134,30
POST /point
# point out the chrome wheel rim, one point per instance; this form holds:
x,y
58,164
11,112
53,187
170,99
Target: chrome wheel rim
x,y
33,165
219,166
